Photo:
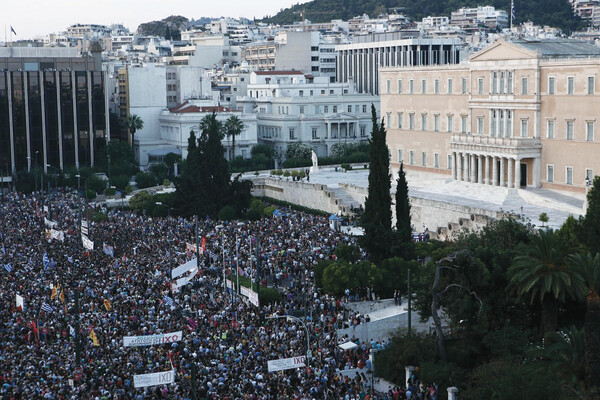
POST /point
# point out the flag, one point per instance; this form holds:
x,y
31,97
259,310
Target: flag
x,y
94,338
108,250
46,260
61,296
54,293
107,304
72,330
19,303
12,30
512,10
36,332
8,267
70,259
46,307
168,301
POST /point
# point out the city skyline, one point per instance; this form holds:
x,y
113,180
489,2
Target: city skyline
x,y
60,14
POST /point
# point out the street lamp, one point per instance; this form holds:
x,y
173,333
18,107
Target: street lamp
x,y
290,318
371,375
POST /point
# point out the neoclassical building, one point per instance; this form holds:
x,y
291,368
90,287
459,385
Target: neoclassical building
x,y
516,114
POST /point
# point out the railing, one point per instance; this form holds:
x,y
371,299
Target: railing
x,y
496,141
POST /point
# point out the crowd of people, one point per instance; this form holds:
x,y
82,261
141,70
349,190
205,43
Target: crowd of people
x,y
130,293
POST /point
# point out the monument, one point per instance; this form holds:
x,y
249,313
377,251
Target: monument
x,y
315,163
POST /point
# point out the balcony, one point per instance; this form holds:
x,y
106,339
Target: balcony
x,y
496,146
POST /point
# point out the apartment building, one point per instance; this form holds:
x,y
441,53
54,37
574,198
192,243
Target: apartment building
x,y
517,114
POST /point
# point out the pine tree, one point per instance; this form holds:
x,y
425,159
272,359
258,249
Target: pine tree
x,y
590,226
377,218
404,245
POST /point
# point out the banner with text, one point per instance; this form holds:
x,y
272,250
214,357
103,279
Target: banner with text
x,y
87,243
182,269
50,224
57,235
286,363
149,340
154,379
186,279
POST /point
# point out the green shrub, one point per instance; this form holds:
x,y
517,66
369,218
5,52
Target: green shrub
x,y
110,191
279,172
128,189
268,211
96,184
226,213
98,217
119,181
302,174
266,295
297,162
253,215
160,210
145,179
139,201
345,166
286,173
273,172
90,194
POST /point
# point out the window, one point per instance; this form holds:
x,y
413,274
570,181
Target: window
x,y
411,159
589,131
363,131
551,85
570,85
423,86
399,86
494,82
509,82
331,91
335,109
500,123
501,82
326,109
364,108
480,86
550,129
436,86
509,123
423,122
524,88
292,134
493,123
450,122
411,121
569,176
424,159
400,159
463,124
570,133
411,86
589,175
480,125
449,161
349,109
323,91
591,85
550,173
464,85
524,126
399,120
301,109
388,120
436,123
301,93
311,93
388,86
315,133
317,110
450,86
436,160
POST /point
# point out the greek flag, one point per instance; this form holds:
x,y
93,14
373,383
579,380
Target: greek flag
x,y
168,301
46,307
8,267
46,260
512,10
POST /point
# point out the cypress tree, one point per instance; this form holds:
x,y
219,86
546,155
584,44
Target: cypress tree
x,y
404,245
377,218
590,226
186,199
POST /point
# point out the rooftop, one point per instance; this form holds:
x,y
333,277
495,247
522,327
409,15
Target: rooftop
x,y
559,47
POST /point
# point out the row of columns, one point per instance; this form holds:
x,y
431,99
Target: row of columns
x,y
475,168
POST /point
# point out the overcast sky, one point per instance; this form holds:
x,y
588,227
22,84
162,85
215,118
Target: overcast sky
x,y
31,18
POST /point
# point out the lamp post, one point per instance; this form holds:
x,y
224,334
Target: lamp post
x,y
292,318
371,375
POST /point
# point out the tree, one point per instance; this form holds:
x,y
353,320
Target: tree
x,y
590,225
543,218
403,225
233,128
134,123
542,273
122,159
589,269
377,217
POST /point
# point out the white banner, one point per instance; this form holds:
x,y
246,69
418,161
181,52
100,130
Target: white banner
x,y
87,243
19,302
149,340
57,235
186,279
229,284
157,378
286,363
253,298
182,269
50,224
45,208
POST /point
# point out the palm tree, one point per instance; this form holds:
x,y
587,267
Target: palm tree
x,y
543,274
564,357
589,269
233,128
134,123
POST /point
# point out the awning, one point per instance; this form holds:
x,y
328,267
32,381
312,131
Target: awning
x,y
348,346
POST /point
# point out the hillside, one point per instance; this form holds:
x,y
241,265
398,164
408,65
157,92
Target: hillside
x,y
169,28
556,13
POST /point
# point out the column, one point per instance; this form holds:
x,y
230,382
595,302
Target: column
x,y
518,173
27,132
44,140
459,166
59,117
511,164
502,183
536,173
494,171
467,176
13,166
488,181
327,130
91,117
75,127
473,168
453,161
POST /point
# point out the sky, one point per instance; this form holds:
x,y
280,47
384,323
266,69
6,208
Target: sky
x,y
31,18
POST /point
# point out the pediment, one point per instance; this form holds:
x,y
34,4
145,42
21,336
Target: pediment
x,y
502,50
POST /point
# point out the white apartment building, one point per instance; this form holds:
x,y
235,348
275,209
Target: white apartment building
x,y
487,15
292,108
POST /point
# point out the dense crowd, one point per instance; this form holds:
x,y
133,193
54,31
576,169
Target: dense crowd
x,y
129,293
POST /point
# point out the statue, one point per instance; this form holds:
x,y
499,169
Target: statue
x,y
315,163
